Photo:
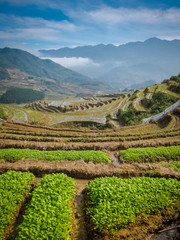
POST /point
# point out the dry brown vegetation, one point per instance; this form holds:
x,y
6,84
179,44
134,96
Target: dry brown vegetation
x,y
23,135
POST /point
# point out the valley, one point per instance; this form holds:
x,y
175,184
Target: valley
x,y
91,167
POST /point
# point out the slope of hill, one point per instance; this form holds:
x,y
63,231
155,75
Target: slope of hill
x,y
46,74
152,100
127,64
133,107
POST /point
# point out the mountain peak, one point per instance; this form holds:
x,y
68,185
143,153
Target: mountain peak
x,y
153,39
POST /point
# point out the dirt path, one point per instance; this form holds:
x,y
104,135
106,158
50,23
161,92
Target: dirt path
x,y
79,229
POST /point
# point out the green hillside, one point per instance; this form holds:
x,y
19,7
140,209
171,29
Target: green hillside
x,y
53,76
149,101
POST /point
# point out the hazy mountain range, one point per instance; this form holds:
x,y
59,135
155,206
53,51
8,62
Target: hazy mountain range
x,y
127,64
22,69
134,65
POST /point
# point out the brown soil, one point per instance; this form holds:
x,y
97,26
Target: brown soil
x,y
79,231
144,228
83,170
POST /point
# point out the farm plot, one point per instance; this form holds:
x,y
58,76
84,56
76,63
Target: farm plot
x,y
110,203
37,137
93,146
49,213
13,187
13,155
113,203
150,154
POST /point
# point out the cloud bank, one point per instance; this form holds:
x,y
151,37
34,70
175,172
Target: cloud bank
x,y
74,62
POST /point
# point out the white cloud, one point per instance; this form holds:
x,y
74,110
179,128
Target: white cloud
x,y
30,33
74,62
63,25
28,28
111,16
169,38
30,22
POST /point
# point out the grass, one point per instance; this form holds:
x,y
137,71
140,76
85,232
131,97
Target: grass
x,y
115,202
150,154
14,155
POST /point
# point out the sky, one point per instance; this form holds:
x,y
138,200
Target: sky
x,y
52,24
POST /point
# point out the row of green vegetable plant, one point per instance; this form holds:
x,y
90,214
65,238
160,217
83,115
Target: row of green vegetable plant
x,y
13,187
116,202
61,155
150,154
49,213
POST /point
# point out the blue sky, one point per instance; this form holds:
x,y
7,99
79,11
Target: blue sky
x,y
44,24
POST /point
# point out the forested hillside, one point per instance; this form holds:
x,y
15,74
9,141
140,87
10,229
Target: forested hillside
x,y
21,95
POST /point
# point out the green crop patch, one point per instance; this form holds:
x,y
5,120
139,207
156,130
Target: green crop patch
x,y
115,202
61,155
49,213
150,154
13,186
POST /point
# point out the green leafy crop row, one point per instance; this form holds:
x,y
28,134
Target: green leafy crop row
x,y
115,202
49,213
13,186
17,154
151,154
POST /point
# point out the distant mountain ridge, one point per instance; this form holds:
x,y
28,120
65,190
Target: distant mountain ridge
x,y
47,75
102,52
127,64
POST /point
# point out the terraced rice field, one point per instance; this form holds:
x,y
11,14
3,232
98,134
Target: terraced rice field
x,y
57,176
86,110
90,109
